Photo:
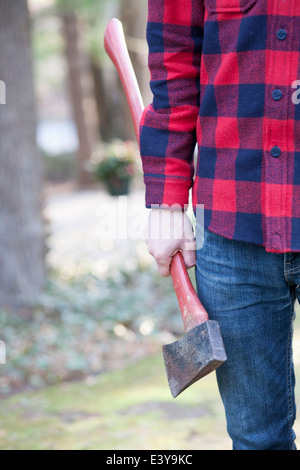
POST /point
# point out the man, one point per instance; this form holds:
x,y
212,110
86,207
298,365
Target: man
x,y
223,75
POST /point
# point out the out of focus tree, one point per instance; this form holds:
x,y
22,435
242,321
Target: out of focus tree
x,y
133,15
21,229
70,29
92,16
97,99
113,110
70,13
82,24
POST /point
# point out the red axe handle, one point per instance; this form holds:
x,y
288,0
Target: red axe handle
x,y
192,311
116,48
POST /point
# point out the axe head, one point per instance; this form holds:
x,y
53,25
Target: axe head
x,y
198,353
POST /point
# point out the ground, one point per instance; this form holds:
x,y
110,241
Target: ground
x,y
90,230
130,407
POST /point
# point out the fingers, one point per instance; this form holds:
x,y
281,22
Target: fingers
x,y
167,233
164,266
163,254
164,263
189,257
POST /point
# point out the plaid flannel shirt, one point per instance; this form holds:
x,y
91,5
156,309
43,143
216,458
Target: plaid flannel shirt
x,y
226,74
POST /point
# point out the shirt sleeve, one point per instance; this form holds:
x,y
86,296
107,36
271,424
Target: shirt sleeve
x,y
168,124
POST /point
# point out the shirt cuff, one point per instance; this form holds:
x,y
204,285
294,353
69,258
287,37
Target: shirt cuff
x,y
167,193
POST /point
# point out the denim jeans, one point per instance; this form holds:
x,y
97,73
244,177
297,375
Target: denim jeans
x,y
252,294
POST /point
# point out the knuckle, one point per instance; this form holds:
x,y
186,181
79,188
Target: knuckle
x,y
161,258
157,253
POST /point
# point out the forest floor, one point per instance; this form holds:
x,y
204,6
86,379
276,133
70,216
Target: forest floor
x,y
127,406
128,409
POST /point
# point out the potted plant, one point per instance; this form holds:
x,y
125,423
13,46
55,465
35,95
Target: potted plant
x,y
115,166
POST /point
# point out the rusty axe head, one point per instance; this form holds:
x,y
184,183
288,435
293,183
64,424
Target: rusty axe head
x,y
195,355
201,350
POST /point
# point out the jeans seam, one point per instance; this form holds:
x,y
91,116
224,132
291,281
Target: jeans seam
x,y
292,270
290,416
287,272
289,382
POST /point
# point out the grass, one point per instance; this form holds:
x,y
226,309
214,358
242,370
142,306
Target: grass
x,y
125,409
121,410
80,327
129,409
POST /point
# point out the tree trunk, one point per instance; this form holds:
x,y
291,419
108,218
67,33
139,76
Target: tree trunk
x,y
111,104
134,18
22,270
70,29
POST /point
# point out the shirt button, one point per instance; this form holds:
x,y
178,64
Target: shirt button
x,y
281,34
277,95
276,152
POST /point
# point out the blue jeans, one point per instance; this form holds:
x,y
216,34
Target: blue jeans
x,y
252,294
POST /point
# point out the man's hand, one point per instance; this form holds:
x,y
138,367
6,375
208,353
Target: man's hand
x,y
167,232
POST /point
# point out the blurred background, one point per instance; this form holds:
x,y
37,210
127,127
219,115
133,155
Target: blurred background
x,y
83,312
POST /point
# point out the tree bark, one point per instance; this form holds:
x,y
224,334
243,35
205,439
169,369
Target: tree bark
x,y
22,270
111,104
134,18
69,21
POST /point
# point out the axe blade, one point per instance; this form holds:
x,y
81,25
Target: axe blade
x,y
192,357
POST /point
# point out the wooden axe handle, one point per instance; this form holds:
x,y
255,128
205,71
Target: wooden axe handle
x,y
116,48
192,310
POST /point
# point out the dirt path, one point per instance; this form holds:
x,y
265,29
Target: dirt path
x,y
90,230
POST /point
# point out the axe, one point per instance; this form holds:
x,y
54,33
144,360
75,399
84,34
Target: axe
x,y
201,350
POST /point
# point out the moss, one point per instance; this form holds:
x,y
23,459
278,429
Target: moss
x,y
127,409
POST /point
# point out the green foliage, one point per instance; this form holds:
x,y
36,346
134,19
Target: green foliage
x,y
94,15
118,160
85,326
86,8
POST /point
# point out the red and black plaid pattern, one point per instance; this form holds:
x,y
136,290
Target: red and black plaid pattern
x,y
223,75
